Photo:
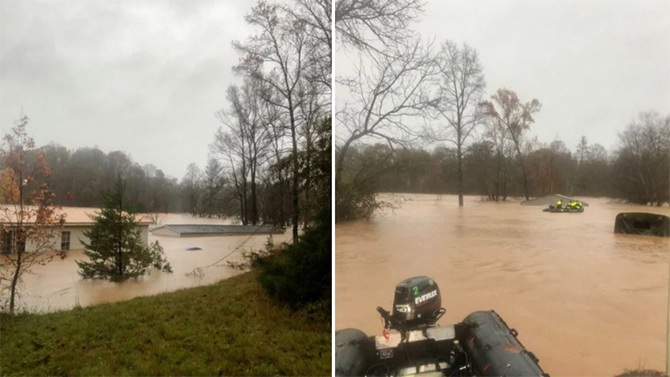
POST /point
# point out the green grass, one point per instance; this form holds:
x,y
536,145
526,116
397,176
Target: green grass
x,y
229,328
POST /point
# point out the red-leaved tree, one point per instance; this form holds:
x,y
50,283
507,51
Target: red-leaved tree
x,y
513,118
29,221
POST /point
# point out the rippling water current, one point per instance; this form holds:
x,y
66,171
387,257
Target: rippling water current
x,y
586,301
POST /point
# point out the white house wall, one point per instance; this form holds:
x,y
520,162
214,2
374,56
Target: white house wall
x,y
144,233
77,236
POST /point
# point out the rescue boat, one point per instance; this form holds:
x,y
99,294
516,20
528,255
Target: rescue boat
x,y
413,344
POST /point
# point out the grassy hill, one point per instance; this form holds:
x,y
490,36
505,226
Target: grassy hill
x,y
229,328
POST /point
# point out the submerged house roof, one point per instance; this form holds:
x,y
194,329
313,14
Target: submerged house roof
x,y
550,199
74,216
185,230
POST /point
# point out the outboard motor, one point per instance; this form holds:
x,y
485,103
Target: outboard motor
x,y
416,304
481,345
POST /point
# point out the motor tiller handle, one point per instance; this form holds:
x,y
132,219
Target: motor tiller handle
x,y
388,320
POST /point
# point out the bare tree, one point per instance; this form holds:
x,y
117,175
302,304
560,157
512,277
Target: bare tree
x,y
509,113
386,90
29,221
582,150
279,56
212,184
500,149
376,24
278,178
316,16
461,86
254,116
643,162
597,170
191,187
249,138
229,145
551,169
579,179
311,115
481,163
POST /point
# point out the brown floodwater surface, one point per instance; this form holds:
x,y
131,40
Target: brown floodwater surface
x,y
58,286
586,301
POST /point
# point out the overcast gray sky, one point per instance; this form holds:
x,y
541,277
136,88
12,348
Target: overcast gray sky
x,y
594,65
144,77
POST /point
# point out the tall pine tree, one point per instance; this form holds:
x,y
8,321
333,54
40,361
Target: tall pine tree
x,y
115,247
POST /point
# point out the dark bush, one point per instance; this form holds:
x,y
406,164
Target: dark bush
x,y
299,274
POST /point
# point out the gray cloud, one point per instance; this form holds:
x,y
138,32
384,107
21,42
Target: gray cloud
x,y
144,77
593,64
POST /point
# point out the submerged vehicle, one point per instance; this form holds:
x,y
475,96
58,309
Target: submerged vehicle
x,y
412,344
648,224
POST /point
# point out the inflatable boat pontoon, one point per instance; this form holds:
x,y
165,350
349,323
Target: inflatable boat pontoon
x,y
413,344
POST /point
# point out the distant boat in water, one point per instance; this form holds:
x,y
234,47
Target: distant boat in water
x,y
551,199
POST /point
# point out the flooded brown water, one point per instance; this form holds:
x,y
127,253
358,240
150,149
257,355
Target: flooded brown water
x,y
58,286
586,301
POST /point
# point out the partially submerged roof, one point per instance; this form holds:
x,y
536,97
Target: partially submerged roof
x,y
82,216
550,199
185,230
74,216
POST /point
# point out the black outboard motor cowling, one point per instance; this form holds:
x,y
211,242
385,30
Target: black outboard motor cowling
x,y
417,303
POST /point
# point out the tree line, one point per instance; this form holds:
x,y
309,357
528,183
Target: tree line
x,y
638,171
405,95
80,177
269,160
